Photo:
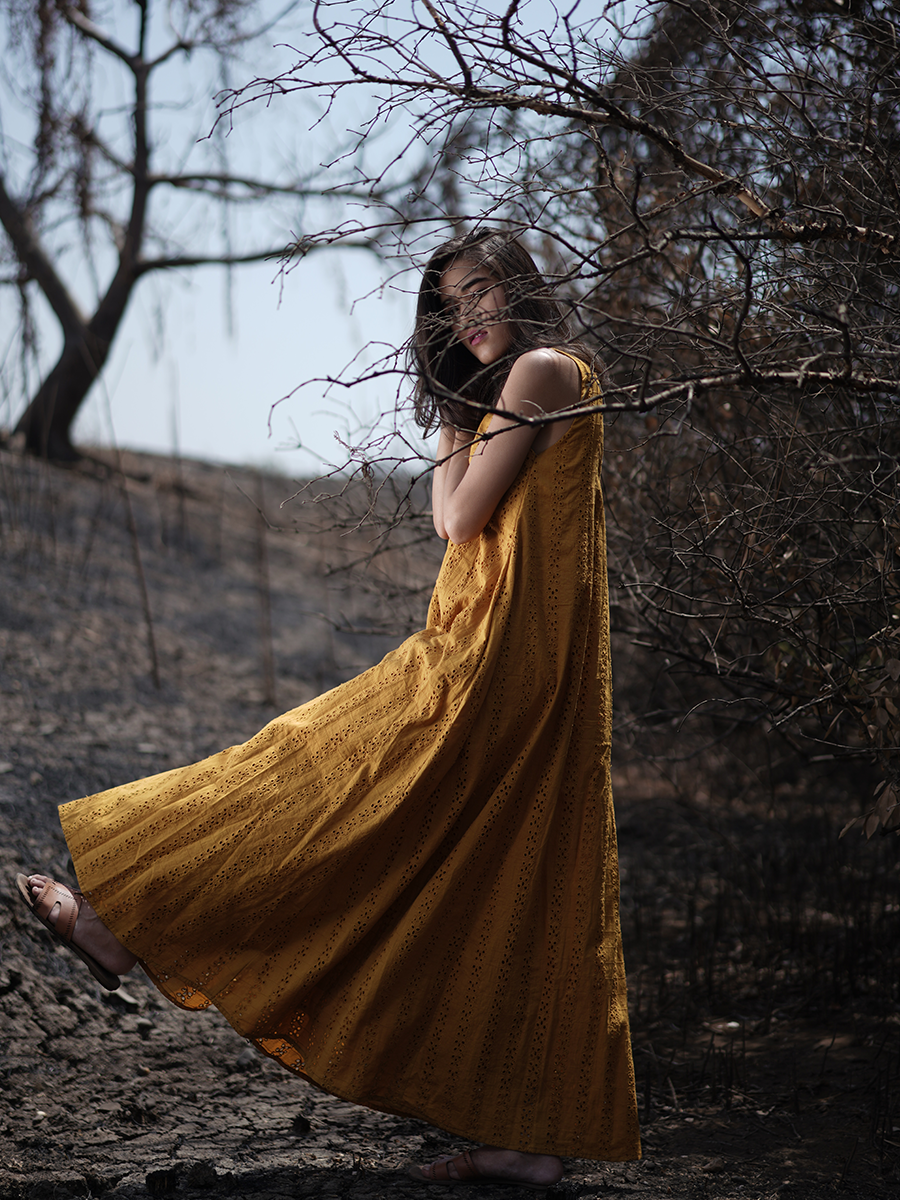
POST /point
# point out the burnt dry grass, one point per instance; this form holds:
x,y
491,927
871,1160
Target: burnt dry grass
x,y
140,632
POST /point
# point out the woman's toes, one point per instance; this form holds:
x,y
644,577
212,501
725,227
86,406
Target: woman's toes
x,y
38,883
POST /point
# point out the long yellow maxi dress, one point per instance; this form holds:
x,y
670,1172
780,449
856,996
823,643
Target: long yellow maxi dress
x,y
406,890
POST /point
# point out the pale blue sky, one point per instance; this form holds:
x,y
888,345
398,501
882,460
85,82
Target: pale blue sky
x,y
181,375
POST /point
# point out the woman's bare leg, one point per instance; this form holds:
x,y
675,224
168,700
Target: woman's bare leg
x,y
91,934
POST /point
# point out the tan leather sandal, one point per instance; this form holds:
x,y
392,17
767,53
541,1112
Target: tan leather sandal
x,y
70,903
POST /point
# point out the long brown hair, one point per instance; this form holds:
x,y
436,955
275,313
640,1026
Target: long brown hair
x,y
451,386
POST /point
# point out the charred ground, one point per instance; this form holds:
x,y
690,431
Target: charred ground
x,y
148,624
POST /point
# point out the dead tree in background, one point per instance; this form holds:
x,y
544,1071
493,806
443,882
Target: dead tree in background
x,y
90,192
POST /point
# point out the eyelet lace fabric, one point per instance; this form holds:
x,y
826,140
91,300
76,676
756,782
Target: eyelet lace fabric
x,y
406,890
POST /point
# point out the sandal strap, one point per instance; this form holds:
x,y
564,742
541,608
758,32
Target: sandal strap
x,y
69,906
465,1166
465,1169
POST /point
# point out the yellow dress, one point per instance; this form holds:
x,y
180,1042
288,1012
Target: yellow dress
x,y
406,890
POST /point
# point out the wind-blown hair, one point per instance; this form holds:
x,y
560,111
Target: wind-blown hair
x,y
451,386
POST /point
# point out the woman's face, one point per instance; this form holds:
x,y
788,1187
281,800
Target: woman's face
x,y
476,300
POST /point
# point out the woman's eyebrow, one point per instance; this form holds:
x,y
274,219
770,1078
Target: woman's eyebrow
x,y
468,284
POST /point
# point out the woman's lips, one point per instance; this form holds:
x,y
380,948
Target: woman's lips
x,y
478,336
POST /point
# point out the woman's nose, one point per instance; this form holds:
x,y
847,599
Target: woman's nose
x,y
468,305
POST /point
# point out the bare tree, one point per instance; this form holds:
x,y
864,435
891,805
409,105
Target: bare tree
x,y
714,187
113,180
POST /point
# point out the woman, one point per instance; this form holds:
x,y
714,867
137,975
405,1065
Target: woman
x,y
406,890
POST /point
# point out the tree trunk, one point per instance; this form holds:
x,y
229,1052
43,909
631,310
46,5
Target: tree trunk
x,y
47,421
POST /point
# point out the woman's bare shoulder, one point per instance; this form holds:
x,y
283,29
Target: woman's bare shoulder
x,y
544,376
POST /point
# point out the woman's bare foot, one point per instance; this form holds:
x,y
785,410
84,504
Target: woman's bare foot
x,y
90,933
490,1162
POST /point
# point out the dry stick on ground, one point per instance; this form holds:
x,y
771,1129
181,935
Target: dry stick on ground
x,y
265,598
139,570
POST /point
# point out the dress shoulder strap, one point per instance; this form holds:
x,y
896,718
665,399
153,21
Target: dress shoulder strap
x,y
590,382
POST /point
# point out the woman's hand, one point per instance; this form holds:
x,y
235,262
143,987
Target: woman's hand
x,y
466,491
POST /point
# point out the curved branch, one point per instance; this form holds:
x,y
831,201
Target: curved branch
x,y
273,254
259,186
34,258
84,25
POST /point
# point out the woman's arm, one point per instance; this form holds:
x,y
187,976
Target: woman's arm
x,y
541,381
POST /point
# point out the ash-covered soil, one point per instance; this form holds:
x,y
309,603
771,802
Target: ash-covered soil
x,y
132,643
